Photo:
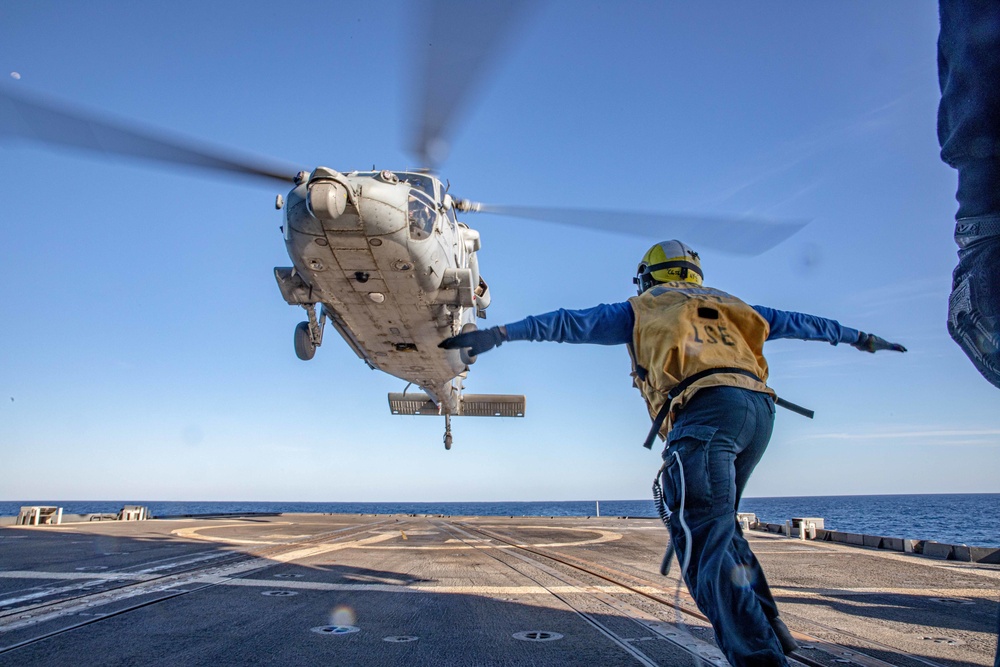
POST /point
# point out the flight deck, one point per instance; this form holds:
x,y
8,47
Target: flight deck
x,y
308,589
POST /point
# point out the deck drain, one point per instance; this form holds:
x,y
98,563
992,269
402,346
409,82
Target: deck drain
x,y
288,575
952,601
279,594
400,639
948,641
336,629
537,636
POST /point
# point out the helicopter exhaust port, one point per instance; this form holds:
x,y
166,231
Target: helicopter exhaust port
x,y
463,353
457,288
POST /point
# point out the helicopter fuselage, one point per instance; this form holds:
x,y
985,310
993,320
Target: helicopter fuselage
x,y
384,258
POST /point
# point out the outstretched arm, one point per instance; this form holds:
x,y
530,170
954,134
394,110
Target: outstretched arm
x,y
606,324
788,324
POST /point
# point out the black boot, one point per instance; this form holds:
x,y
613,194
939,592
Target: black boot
x,y
788,643
974,307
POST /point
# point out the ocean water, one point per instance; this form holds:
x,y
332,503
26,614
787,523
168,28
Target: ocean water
x,y
968,518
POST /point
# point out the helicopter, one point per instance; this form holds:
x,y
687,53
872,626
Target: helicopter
x,y
382,255
394,272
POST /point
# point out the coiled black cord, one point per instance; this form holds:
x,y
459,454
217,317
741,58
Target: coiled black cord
x,y
661,509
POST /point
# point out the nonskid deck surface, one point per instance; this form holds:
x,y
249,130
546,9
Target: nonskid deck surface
x,y
416,590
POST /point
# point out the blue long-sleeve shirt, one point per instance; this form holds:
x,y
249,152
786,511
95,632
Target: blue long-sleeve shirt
x,y
612,324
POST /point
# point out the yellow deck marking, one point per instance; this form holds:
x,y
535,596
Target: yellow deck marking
x,y
603,536
454,544
195,533
326,548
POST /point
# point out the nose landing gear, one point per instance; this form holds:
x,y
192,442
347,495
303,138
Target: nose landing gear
x,y
447,432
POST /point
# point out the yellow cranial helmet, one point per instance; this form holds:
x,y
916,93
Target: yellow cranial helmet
x,y
668,261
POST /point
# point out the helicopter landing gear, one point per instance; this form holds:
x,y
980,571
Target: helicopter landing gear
x,y
309,335
447,432
304,347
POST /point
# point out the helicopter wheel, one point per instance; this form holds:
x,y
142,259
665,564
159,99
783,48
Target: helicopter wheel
x,y
304,348
447,442
447,432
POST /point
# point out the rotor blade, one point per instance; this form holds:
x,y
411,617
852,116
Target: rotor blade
x,y
462,42
739,236
48,122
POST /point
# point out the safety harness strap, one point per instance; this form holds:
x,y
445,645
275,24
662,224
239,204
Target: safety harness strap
x,y
688,381
679,389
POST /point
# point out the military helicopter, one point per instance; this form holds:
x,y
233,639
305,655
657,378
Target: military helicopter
x,y
381,255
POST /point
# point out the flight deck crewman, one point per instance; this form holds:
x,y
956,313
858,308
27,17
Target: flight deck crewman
x,y
697,358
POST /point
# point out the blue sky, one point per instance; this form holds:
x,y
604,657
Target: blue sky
x,y
148,351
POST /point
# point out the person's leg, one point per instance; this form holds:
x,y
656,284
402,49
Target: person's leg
x,y
707,438
969,134
753,574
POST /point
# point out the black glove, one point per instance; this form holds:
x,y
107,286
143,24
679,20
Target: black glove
x,y
477,341
871,343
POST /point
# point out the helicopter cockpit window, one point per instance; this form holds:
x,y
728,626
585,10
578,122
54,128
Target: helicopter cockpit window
x,y
418,181
421,215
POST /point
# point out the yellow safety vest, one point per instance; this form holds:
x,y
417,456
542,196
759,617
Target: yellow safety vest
x,y
682,329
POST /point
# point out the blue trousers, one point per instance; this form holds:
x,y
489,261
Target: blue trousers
x,y
969,133
719,437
